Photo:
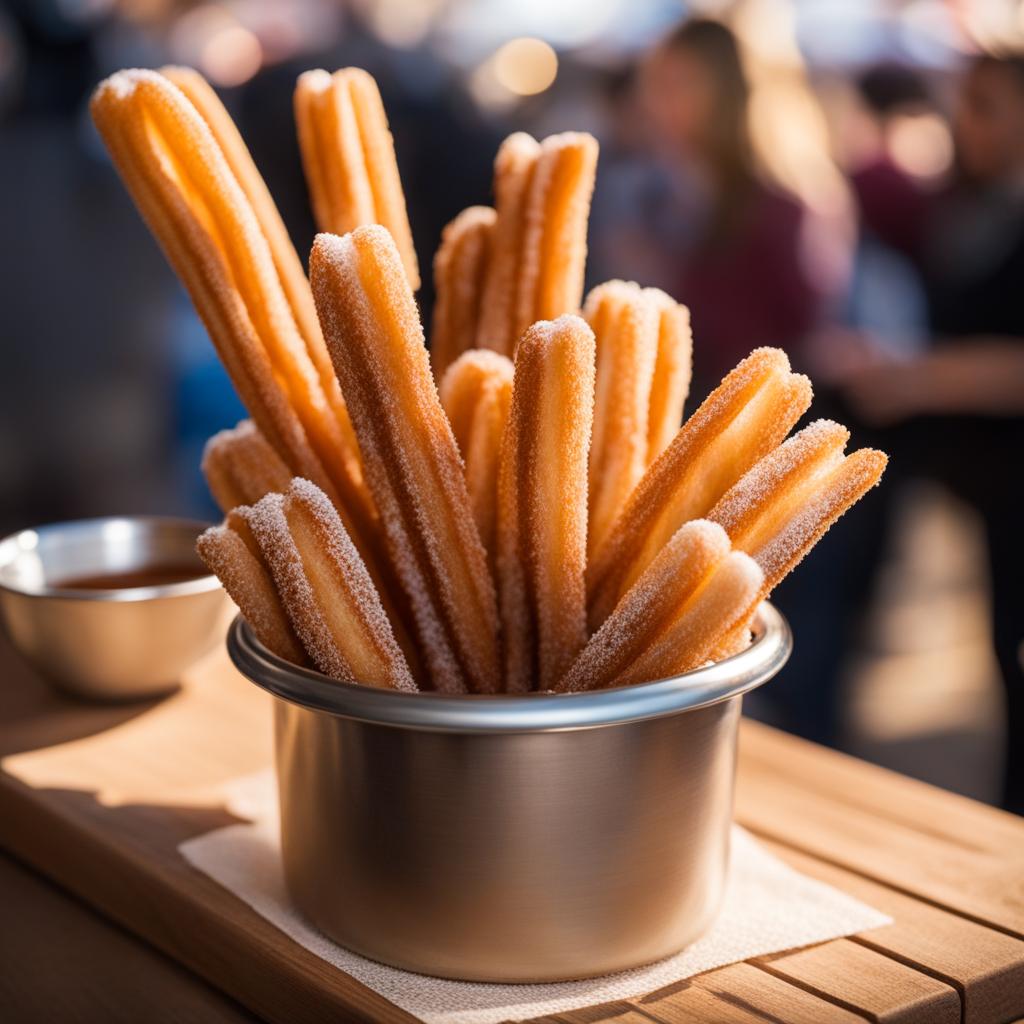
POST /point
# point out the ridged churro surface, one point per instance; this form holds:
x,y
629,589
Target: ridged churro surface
x,y
743,419
240,467
460,266
349,158
410,457
325,588
542,503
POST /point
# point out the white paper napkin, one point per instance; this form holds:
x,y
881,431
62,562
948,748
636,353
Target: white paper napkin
x,y
768,908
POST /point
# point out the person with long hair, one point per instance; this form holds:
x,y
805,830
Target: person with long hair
x,y
735,239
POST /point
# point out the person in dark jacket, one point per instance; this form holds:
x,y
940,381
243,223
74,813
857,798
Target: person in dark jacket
x,y
955,412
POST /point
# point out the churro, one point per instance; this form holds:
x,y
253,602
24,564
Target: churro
x,y
783,506
542,503
476,393
743,419
726,599
240,467
183,183
410,457
325,588
286,259
349,158
625,325
459,267
670,385
247,580
650,607
535,271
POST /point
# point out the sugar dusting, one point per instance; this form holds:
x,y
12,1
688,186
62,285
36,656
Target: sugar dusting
x,y
711,614
662,485
766,481
625,324
650,606
833,494
344,566
411,460
269,525
250,587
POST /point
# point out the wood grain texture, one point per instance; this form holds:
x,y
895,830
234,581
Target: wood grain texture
x,y
933,845
742,994
986,966
62,962
99,798
858,978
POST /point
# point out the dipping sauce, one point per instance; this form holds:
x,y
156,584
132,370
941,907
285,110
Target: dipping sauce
x,y
151,576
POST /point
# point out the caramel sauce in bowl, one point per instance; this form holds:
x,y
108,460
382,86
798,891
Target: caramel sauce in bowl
x,y
111,609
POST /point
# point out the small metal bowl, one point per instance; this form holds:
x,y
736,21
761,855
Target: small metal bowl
x,y
508,838
109,645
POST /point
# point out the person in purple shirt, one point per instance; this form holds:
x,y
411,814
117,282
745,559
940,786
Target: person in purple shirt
x,y
733,243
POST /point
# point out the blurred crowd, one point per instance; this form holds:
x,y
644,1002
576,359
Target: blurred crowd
x,y
867,215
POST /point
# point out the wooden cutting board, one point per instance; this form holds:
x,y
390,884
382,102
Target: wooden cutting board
x,y
100,798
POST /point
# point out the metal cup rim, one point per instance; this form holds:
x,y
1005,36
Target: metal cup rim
x,y
200,584
517,713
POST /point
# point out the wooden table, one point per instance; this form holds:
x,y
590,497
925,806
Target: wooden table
x,y
97,800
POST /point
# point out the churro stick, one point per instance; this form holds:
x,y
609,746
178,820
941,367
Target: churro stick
x,y
535,272
483,458
473,374
349,158
325,588
184,187
240,467
625,324
459,267
554,248
743,419
411,461
248,582
476,393
780,509
671,382
286,259
783,506
651,606
542,503
727,598
513,170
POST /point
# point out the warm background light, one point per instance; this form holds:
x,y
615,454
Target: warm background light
x,y
526,66
921,144
211,38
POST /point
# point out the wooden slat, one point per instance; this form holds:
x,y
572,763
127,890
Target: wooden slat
x,y
985,966
858,978
934,845
100,798
106,810
742,994
62,962
613,1013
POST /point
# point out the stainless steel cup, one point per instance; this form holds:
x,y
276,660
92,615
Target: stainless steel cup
x,y
109,645
509,838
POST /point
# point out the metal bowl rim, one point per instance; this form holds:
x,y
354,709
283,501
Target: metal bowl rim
x,y
513,713
201,584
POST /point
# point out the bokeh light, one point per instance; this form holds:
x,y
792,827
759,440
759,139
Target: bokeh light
x,y
921,144
526,66
211,38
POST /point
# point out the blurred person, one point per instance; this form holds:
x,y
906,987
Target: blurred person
x,y
884,305
753,239
891,202
955,412
732,240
